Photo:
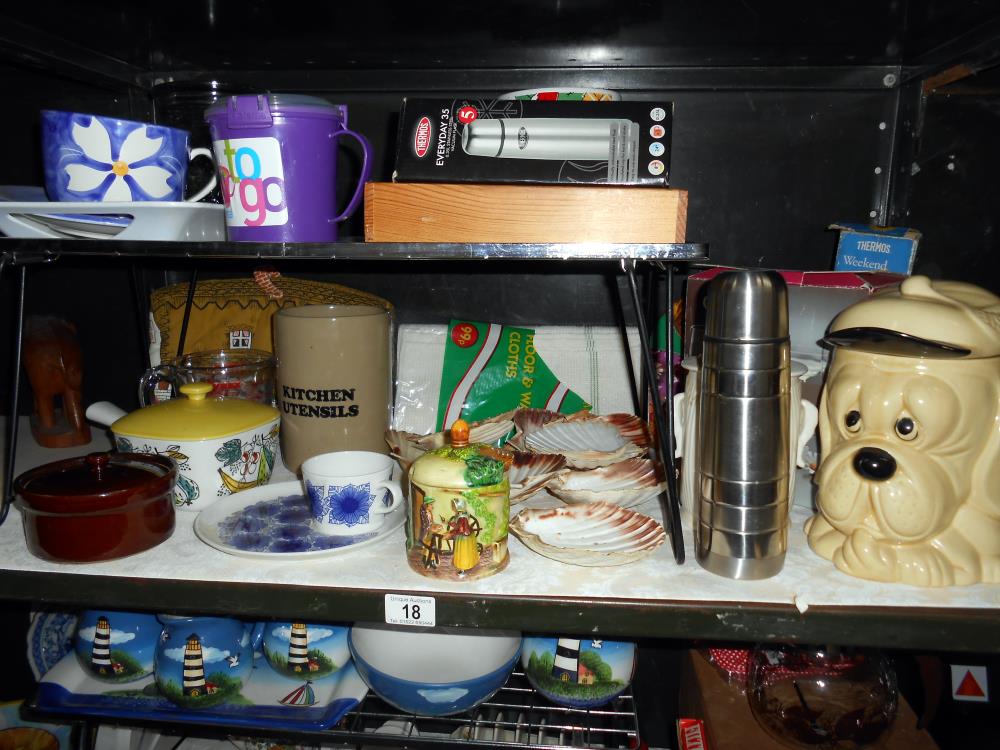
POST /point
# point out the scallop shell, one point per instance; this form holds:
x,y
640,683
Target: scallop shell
x,y
586,444
528,421
630,427
522,491
590,535
531,472
527,465
627,483
404,447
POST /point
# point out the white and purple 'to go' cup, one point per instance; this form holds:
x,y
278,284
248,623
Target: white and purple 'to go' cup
x,y
350,491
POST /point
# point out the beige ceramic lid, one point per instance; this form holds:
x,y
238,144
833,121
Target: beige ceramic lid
x,y
952,313
460,465
194,417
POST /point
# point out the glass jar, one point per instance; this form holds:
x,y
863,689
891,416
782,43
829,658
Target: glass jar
x,y
822,697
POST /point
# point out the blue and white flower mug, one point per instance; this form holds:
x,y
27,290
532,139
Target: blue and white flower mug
x,y
107,159
350,491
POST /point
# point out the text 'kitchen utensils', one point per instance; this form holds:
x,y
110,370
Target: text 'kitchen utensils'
x,y
350,492
108,159
334,379
741,518
277,157
233,373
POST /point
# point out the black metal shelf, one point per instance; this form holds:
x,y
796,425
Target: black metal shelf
x,y
962,629
517,716
21,250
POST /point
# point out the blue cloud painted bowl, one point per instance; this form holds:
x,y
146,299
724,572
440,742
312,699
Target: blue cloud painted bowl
x,y
434,672
578,672
96,158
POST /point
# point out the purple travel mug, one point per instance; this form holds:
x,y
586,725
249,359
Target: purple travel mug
x,y
277,159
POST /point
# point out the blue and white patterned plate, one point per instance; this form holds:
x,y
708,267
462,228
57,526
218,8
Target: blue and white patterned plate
x,y
50,638
273,522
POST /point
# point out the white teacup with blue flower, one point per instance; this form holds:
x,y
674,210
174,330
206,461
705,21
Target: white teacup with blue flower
x,y
350,491
107,159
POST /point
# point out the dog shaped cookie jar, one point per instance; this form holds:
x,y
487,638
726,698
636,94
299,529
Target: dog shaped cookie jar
x,y
909,420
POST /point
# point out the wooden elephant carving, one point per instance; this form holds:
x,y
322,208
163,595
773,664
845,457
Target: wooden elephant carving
x,y
54,363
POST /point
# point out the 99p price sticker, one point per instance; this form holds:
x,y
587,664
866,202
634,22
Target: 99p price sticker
x,y
403,609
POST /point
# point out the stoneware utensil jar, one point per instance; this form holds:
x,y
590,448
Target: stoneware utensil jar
x,y
99,507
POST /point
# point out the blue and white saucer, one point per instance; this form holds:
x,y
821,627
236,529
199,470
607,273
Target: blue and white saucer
x,y
273,522
50,638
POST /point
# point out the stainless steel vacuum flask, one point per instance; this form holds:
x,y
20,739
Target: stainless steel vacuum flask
x,y
580,139
741,518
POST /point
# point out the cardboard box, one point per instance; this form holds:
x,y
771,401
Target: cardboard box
x,y
422,212
500,140
730,724
870,248
814,300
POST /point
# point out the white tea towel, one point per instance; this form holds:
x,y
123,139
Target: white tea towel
x,y
588,359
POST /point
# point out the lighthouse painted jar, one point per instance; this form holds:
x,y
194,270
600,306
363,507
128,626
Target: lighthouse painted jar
x,y
204,661
296,649
116,646
458,509
578,672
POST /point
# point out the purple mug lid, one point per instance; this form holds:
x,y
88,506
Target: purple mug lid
x,y
277,103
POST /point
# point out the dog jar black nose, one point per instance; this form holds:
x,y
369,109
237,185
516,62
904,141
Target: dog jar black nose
x,y
874,463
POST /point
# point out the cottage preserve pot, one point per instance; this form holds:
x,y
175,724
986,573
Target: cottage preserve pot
x,y
457,515
99,507
221,446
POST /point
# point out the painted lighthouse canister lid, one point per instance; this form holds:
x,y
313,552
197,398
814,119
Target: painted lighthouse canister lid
x,y
578,672
458,509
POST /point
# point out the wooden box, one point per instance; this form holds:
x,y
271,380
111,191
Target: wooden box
x,y
446,212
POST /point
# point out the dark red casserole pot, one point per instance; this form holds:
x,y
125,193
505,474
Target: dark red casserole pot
x,y
98,507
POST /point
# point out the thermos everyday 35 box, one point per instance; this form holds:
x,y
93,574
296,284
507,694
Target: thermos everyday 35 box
x,y
499,140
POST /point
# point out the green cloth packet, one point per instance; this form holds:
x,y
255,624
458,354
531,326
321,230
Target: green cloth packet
x,y
490,368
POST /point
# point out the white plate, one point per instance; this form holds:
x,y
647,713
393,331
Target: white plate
x,y
143,220
274,530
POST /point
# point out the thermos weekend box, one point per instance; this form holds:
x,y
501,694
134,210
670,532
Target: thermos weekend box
x,y
500,140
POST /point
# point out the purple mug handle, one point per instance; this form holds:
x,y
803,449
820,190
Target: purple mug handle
x,y
366,170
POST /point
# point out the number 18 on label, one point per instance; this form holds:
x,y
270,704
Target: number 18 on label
x,y
403,609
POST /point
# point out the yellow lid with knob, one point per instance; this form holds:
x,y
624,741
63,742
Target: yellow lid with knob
x,y
192,416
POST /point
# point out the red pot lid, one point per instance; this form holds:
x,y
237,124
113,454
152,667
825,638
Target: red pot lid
x,y
95,482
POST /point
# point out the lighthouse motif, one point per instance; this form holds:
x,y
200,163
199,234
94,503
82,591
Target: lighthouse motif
x,y
298,648
566,663
100,657
194,668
